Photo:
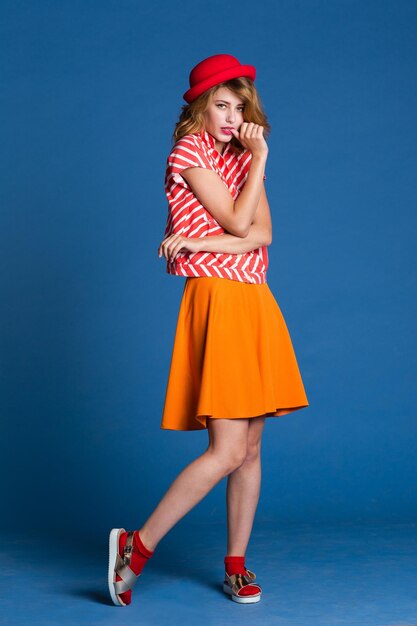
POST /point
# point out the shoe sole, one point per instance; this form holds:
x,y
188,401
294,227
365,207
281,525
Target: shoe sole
x,y
241,599
113,552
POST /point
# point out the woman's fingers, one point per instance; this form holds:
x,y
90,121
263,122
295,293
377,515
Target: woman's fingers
x,y
176,247
251,137
163,245
249,129
169,245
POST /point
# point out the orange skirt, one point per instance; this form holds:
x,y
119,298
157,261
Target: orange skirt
x,y
232,356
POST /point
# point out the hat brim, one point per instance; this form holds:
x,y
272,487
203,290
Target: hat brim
x,y
234,72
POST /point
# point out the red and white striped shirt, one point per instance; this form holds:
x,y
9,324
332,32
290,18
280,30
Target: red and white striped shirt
x,y
188,217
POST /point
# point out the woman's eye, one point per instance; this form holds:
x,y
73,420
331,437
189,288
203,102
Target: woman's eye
x,y
241,109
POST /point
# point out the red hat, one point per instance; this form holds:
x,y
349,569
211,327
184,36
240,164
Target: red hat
x,y
215,70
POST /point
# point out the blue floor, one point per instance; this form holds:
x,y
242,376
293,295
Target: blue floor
x,y
311,575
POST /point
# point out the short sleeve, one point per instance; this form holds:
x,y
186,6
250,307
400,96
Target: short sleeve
x,y
186,153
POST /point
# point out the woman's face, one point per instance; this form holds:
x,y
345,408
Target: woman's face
x,y
225,109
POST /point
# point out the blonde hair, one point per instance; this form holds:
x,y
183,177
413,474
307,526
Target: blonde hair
x,y
191,118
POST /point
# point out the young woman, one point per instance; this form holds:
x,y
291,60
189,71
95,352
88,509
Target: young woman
x,y
232,363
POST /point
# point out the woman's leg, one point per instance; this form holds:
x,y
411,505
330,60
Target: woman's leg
x,y
243,489
226,450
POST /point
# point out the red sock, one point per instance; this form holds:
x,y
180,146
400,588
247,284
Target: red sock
x,y
236,565
140,556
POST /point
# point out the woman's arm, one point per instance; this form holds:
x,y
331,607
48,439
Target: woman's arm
x,y
234,216
260,234
256,237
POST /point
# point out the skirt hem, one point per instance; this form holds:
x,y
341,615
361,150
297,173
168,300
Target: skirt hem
x,y
202,418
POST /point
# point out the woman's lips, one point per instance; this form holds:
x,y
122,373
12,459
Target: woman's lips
x,y
226,131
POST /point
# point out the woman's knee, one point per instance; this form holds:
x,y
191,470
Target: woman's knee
x,y
255,431
228,442
229,459
253,451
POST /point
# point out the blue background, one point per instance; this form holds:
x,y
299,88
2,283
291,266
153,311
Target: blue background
x,y
90,93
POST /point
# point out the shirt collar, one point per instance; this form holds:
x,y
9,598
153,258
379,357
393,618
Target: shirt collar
x,y
209,140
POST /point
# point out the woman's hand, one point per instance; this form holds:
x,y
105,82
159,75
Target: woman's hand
x,y
170,246
251,137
